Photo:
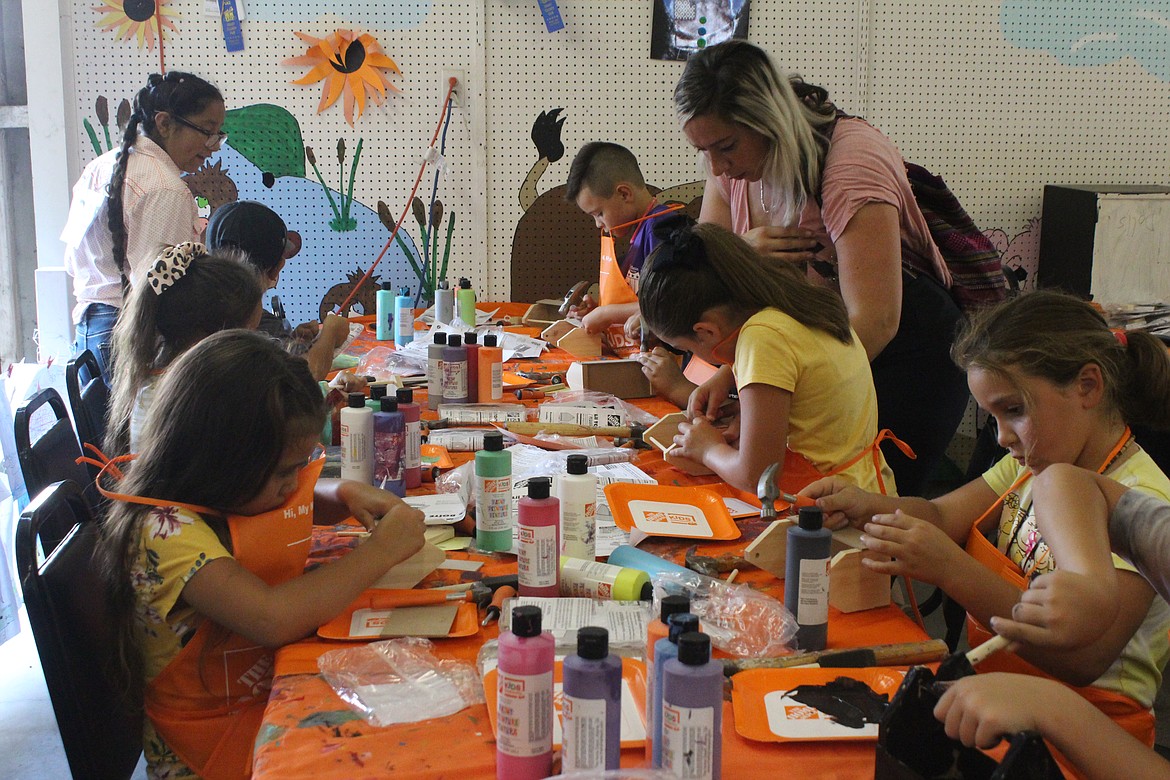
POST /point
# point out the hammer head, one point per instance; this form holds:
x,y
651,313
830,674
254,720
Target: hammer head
x,y
573,297
768,491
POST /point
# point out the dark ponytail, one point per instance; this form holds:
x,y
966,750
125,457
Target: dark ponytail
x,y
178,94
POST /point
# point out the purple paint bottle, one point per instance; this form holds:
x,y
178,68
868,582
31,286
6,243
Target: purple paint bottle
x,y
664,650
454,371
389,447
524,699
591,709
692,711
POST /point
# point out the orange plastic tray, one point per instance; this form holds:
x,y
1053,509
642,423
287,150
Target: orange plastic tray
x,y
765,714
436,455
669,510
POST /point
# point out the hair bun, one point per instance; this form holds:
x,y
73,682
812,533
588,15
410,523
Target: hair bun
x,y
676,228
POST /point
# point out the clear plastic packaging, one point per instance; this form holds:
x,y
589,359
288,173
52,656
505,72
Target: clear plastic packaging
x,y
383,362
400,681
595,398
741,621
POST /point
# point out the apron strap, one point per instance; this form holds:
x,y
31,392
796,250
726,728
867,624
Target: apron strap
x,y
110,466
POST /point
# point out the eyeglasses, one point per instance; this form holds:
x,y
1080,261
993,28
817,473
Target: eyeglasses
x,y
214,139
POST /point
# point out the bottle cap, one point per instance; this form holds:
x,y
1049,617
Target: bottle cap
x,y
811,518
592,642
454,340
577,464
538,487
493,441
694,649
526,621
647,593
387,286
440,338
370,379
377,391
672,605
404,290
464,283
405,395
389,404
443,285
490,340
682,623
470,337
356,400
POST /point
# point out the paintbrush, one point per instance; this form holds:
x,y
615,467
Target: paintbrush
x,y
958,665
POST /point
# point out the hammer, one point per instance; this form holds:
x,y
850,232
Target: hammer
x,y
768,491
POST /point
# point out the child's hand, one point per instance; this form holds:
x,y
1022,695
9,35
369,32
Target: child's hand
x,y
696,438
365,502
666,378
709,397
633,326
348,382
981,709
400,533
335,330
587,304
920,549
598,319
842,502
306,331
1060,609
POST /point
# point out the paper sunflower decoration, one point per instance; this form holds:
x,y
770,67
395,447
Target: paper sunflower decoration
x,y
145,20
348,63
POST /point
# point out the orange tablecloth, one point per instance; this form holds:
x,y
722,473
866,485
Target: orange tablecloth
x,y
309,732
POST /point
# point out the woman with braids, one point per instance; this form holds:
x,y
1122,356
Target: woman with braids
x,y
132,201
804,184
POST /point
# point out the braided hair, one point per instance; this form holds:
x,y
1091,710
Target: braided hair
x,y
178,94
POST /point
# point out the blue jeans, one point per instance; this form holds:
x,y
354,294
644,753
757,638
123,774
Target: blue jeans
x,y
95,332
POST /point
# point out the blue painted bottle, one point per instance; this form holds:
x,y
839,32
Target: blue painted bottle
x,y
591,733
403,318
384,309
633,558
664,650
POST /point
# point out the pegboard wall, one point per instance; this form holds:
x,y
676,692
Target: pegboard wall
x,y
999,98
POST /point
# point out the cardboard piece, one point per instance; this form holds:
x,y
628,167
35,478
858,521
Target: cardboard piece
x,y
411,572
852,587
573,339
621,378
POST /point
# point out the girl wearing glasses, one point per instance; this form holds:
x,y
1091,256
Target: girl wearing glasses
x,y
131,201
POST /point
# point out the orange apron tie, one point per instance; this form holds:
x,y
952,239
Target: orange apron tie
x,y
208,702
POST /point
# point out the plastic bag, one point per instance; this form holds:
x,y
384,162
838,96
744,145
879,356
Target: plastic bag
x,y
400,681
740,621
383,362
596,398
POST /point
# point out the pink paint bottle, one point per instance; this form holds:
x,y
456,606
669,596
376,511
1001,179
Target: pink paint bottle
x,y
524,700
538,521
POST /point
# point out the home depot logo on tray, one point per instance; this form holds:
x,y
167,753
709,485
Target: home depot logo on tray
x,y
802,712
671,517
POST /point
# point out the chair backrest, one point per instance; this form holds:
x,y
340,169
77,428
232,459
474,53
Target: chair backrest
x,y
53,456
69,614
89,397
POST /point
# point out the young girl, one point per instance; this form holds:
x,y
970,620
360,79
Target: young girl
x,y
206,543
132,200
784,344
185,296
1061,387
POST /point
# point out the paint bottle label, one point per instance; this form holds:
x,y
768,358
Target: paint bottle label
x,y
538,556
588,579
813,606
524,714
497,381
493,504
687,734
454,379
413,445
582,733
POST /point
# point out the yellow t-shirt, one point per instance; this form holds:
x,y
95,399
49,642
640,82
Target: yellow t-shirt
x,y
1137,672
833,414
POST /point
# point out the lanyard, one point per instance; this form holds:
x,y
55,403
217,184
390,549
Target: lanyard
x,y
645,218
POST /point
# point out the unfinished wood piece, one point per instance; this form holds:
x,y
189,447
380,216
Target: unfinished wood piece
x,y
411,572
573,339
852,587
622,378
542,313
661,434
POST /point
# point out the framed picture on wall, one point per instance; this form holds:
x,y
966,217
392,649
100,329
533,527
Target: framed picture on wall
x,y
682,27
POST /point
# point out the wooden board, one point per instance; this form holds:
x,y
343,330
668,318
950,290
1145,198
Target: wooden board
x,y
572,339
410,572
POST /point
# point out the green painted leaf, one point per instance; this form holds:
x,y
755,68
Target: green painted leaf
x,y
269,136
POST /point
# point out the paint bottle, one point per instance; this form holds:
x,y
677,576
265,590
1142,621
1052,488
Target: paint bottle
x,y
403,318
692,710
538,543
591,708
806,577
596,580
377,393
389,447
578,493
411,415
664,650
444,303
454,371
633,558
357,439
384,309
493,495
656,630
471,344
435,370
524,699
466,298
491,370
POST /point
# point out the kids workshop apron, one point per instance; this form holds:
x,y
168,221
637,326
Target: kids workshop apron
x,y
208,702
1121,709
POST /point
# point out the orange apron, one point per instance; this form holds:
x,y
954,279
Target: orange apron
x,y
208,702
1121,709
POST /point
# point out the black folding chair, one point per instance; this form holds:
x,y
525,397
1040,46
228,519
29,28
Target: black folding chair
x,y
53,456
68,609
89,397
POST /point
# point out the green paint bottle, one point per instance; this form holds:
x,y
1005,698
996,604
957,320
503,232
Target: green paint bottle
x,y
493,495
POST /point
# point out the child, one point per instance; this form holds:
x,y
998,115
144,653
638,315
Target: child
x,y
206,543
1061,387
606,183
783,343
269,244
185,295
